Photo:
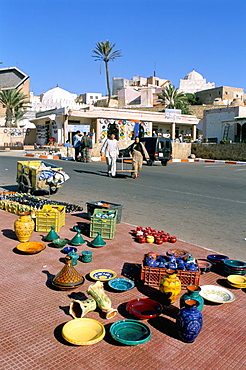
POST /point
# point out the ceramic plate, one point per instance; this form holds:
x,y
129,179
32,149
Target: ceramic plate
x,y
130,332
216,294
83,331
30,247
121,284
103,275
144,308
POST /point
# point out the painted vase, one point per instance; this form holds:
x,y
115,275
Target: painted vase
x,y
193,292
79,309
104,303
24,227
189,321
170,285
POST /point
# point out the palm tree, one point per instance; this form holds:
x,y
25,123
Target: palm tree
x,y
104,51
15,102
171,98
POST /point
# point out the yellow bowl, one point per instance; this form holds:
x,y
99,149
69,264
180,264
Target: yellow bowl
x,y
83,331
237,279
30,247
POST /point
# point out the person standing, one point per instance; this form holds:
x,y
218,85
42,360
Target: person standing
x,y
110,149
138,153
85,146
76,144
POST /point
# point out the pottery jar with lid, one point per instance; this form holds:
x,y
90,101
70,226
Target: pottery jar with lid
x,y
24,227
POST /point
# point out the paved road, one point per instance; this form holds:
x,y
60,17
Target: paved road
x,y
200,203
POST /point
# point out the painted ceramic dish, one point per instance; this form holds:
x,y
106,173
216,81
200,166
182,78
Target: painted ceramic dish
x,y
178,253
69,249
216,294
121,284
83,331
204,265
235,264
216,258
59,243
103,275
31,247
130,332
144,308
237,281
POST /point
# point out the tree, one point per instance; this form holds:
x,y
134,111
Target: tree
x,y
192,99
15,103
171,98
105,52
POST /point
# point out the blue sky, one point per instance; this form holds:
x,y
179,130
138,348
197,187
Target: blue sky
x,y
52,40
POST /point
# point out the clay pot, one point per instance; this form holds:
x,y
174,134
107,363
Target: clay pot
x,y
24,227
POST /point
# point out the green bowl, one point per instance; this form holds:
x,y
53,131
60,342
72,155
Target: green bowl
x,y
59,243
130,332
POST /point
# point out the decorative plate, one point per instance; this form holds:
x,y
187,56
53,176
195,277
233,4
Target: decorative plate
x,y
31,247
83,331
216,294
121,284
103,274
130,332
144,308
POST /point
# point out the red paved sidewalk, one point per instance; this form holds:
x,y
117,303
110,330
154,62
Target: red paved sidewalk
x,y
33,313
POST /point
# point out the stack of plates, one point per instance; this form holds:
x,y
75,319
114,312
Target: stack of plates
x,y
234,267
237,281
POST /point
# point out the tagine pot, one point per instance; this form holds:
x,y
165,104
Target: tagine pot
x,y
189,321
68,278
193,292
170,285
24,227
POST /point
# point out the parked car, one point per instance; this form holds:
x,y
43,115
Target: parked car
x,y
159,149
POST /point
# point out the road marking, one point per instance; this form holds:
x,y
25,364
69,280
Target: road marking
x,y
193,194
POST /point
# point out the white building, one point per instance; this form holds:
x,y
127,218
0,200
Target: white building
x,y
194,82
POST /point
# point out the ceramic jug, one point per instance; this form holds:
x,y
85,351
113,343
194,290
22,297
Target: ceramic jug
x,y
189,321
193,292
24,227
170,285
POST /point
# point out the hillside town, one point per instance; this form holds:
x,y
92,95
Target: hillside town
x,y
52,118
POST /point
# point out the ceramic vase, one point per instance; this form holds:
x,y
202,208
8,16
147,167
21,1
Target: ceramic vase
x,y
79,309
189,321
170,285
24,227
193,292
104,303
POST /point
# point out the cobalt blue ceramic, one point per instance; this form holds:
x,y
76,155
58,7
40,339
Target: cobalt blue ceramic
x,y
189,321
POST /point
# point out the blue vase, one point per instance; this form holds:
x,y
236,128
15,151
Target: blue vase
x,y
193,292
189,321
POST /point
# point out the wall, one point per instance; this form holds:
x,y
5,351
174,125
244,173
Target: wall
x,y
233,152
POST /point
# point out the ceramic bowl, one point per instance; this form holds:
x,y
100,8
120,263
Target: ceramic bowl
x,y
30,247
83,331
204,265
130,332
69,249
237,281
229,271
217,258
144,308
235,264
59,243
178,253
121,284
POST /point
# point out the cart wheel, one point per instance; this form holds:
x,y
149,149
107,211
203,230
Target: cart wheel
x,y
24,184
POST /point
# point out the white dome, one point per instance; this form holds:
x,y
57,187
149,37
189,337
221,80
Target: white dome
x,y
193,75
57,94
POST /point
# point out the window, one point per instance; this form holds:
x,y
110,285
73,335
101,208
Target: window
x,y
91,97
96,97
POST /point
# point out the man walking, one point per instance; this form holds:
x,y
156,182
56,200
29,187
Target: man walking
x,y
76,144
85,146
111,150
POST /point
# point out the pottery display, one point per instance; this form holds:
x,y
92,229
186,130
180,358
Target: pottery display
x,y
83,331
78,309
234,267
86,256
77,240
68,278
130,332
193,292
104,303
52,235
98,242
24,227
170,285
189,321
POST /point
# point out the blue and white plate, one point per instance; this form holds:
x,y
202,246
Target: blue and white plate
x,y
103,275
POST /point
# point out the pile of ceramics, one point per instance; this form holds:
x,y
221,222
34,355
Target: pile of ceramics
x,y
169,261
149,235
230,266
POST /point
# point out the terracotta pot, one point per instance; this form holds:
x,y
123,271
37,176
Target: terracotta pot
x,y
24,227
